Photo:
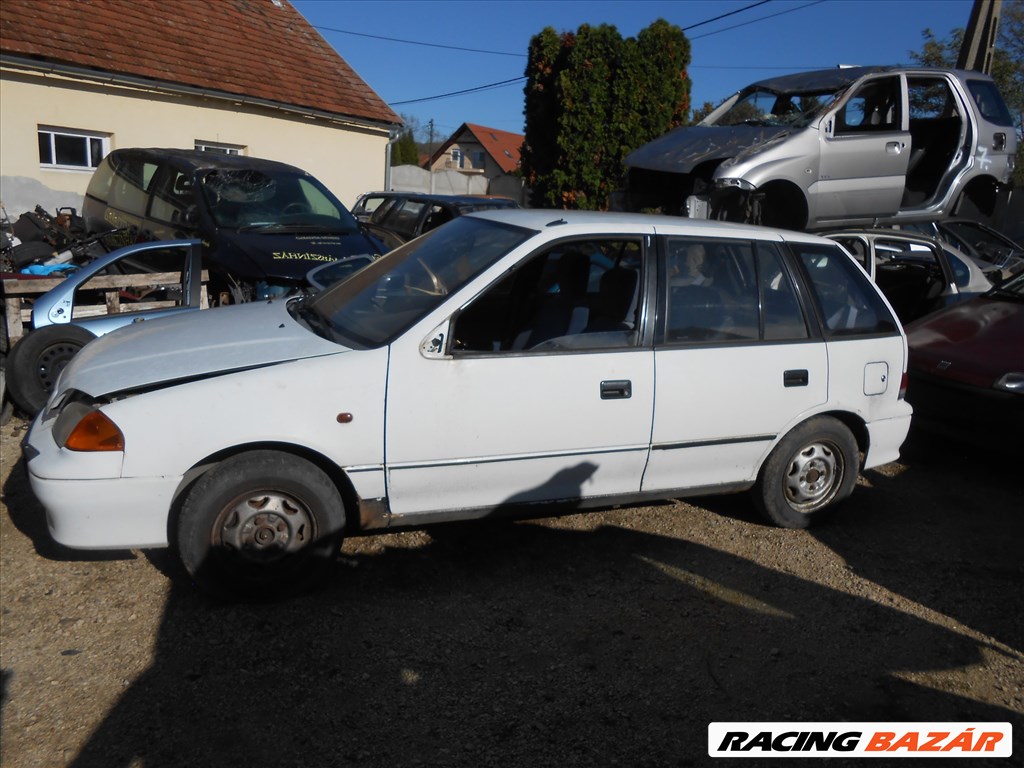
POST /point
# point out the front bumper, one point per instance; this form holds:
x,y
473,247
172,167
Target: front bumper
x,y
87,505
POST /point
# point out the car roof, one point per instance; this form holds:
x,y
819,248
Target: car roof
x,y
834,79
580,222
197,159
456,200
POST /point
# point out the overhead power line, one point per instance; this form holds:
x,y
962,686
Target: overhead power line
x,y
724,15
419,42
499,84
515,80
506,53
759,18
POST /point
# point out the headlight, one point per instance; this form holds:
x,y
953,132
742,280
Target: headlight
x,y
1011,382
737,183
82,427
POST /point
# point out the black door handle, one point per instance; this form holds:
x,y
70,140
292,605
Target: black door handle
x,y
795,378
619,389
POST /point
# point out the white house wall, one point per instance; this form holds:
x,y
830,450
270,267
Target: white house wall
x,y
349,158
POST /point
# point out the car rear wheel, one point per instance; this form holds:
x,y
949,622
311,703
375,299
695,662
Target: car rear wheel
x,y
35,362
261,525
812,468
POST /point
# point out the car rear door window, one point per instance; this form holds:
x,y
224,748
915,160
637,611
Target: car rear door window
x,y
725,291
848,302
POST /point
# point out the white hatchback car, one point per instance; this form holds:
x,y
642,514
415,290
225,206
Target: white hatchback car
x,y
507,360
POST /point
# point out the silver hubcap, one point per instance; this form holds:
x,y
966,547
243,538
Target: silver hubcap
x,y
265,526
814,474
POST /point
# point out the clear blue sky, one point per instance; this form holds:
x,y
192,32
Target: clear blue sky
x,y
773,38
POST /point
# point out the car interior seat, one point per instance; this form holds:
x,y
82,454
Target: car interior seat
x,y
615,298
563,312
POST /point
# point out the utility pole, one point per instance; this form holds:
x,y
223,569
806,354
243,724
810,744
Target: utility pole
x,y
430,146
980,38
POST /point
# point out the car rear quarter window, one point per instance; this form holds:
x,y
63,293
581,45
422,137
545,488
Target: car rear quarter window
x,y
128,190
848,302
989,102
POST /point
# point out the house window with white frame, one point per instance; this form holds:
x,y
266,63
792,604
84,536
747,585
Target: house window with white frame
x,y
456,158
219,148
68,148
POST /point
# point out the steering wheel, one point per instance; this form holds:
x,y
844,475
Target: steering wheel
x,y
293,208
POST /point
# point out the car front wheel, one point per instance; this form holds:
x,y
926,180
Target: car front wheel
x,y
260,525
812,468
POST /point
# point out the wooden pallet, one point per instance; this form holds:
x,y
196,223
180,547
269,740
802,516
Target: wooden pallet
x,y
19,293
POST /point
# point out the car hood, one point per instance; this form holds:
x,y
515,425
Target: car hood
x,y
191,346
974,342
682,150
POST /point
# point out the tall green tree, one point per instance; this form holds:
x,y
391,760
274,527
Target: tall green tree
x,y
592,97
1007,65
404,151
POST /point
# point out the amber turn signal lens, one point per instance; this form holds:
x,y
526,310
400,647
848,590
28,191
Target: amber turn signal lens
x,y
95,432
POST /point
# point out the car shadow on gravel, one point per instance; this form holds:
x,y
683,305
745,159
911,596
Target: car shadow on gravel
x,y
946,533
521,645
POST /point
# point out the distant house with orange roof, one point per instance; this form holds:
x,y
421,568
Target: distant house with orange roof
x,y
476,149
78,79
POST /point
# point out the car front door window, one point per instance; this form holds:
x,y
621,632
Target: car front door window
x,y
576,295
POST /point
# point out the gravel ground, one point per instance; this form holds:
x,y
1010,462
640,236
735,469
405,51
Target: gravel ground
x,y
605,639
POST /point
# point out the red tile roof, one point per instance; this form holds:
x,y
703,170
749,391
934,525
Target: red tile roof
x,y
503,146
262,49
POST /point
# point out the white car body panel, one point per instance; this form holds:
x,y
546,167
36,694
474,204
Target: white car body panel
x,y
514,437
858,367
720,409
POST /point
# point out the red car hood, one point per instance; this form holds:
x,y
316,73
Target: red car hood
x,y
974,342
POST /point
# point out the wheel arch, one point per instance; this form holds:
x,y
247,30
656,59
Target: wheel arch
x,y
852,421
784,206
341,481
777,203
979,199
855,424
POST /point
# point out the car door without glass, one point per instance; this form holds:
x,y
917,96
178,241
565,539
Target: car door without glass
x,y
540,388
149,281
914,275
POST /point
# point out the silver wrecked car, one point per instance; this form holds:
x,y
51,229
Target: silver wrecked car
x,y
837,147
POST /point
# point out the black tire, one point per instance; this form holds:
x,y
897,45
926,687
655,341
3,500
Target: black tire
x,y
262,524
812,468
35,362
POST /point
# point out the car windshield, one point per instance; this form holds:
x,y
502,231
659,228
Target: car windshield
x,y
273,200
763,107
378,303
